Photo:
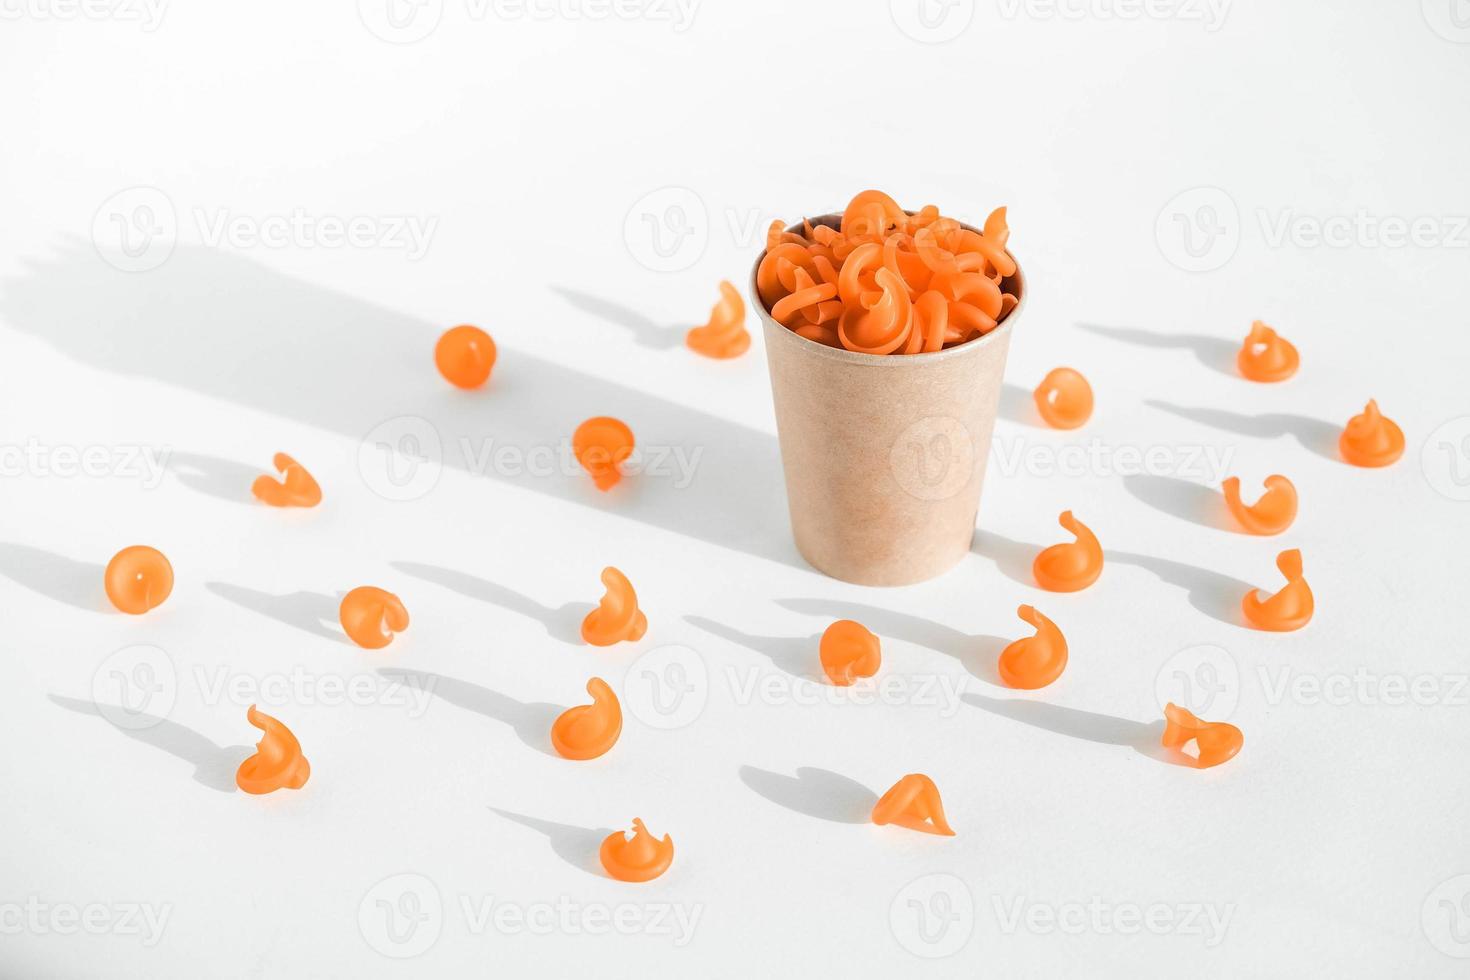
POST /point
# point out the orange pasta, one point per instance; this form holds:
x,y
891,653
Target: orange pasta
x,y
887,281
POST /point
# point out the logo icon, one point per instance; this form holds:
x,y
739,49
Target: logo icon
x,y
1445,917
1445,459
667,229
1199,229
135,229
1450,19
402,458
1204,678
401,916
934,458
135,687
932,21
667,687
933,916
400,21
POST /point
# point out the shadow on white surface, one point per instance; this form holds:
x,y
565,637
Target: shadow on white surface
x,y
214,765
577,846
214,476
1019,405
796,655
562,623
1012,558
814,792
1089,726
1184,499
646,333
1215,353
1213,593
531,721
305,610
1312,434
217,323
76,583
975,652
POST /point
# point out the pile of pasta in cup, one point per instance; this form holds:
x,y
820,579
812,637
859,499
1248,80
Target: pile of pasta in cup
x,y
888,281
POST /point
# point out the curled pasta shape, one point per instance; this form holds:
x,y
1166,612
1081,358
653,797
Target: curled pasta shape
x,y
881,280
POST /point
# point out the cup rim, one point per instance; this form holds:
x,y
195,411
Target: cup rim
x,y
859,357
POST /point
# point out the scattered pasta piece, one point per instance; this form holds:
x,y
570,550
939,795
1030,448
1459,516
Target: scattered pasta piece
x,y
617,616
1072,565
296,488
1287,610
1034,661
913,802
1272,514
641,858
1266,355
1064,398
138,578
724,334
277,762
587,731
848,651
1371,439
1216,741
370,616
601,445
465,355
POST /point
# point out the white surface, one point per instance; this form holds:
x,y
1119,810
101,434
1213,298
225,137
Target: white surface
x,y
1332,843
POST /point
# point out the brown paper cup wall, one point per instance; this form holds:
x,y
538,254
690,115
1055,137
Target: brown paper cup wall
x,y
884,454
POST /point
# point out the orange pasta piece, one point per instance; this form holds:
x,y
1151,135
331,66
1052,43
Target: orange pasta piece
x,y
886,281
803,299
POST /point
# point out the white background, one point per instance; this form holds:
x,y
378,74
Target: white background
x,y
528,142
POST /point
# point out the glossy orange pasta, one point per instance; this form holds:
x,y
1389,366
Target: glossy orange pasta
x,y
887,281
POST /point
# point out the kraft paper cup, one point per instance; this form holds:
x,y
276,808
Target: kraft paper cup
x,y
884,454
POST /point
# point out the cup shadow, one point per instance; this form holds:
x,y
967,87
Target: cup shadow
x,y
1314,435
796,655
352,366
1213,593
214,765
1184,499
1215,353
305,610
646,332
531,721
1088,726
76,583
1019,406
222,478
562,623
577,846
813,792
1012,558
976,653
